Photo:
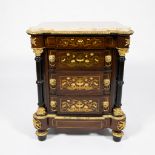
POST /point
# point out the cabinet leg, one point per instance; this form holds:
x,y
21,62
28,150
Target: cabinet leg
x,y
42,134
117,135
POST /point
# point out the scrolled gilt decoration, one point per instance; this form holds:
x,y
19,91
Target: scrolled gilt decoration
x,y
41,111
37,123
118,112
80,82
75,105
122,51
121,125
38,51
53,105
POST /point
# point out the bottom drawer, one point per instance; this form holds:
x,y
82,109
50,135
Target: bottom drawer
x,y
80,105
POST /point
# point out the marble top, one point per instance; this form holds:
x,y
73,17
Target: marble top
x,y
80,28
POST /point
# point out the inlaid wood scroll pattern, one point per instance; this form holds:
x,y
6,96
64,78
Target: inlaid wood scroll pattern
x,y
81,59
80,82
78,42
79,105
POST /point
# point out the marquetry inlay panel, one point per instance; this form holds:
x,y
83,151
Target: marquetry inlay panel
x,y
80,82
74,42
79,105
81,59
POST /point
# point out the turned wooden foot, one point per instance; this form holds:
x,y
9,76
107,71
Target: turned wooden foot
x,y
117,135
42,134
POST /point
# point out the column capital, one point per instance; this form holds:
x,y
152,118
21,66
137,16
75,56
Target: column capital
x,y
38,51
122,51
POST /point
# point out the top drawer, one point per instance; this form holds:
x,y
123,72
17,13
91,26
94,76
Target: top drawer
x,y
82,42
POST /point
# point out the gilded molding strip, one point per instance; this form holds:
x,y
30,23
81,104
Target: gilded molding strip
x,y
79,118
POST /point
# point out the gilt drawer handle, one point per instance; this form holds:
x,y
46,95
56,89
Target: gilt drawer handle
x,y
106,83
105,105
53,83
53,105
52,58
108,60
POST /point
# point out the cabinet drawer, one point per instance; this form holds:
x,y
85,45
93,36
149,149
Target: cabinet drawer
x,y
81,83
80,59
80,104
81,42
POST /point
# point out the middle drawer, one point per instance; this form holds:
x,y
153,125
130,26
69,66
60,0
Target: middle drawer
x,y
80,83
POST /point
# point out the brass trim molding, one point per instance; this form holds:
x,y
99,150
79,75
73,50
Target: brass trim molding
x,y
122,51
79,118
43,133
38,51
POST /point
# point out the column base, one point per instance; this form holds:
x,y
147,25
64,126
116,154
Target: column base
x,y
42,135
117,136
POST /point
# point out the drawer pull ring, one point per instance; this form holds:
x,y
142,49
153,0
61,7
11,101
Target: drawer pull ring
x,y
108,60
52,58
105,105
53,83
53,105
106,83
